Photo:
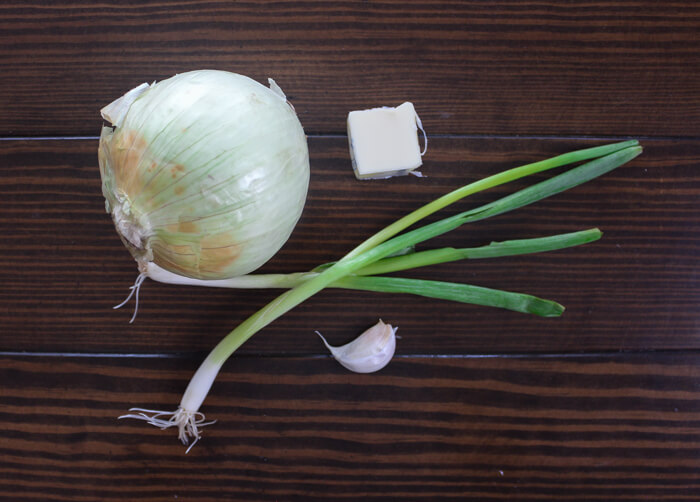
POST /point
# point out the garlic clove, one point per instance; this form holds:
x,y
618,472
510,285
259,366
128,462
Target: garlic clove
x,y
369,352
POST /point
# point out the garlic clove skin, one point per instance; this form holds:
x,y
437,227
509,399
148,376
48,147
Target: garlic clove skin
x,y
369,352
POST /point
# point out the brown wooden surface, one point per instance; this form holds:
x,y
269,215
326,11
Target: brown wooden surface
x,y
510,67
623,427
635,289
479,404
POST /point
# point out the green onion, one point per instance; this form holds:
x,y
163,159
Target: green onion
x,y
359,268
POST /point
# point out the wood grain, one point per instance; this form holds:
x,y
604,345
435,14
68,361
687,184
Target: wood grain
x,y
510,67
622,427
63,267
478,404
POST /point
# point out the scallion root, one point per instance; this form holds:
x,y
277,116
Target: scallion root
x,y
187,422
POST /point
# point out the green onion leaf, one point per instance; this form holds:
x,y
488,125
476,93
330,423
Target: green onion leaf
x,y
464,293
493,250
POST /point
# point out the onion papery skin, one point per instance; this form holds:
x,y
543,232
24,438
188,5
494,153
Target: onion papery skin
x,y
206,175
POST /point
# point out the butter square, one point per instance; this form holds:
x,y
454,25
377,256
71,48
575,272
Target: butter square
x,y
384,141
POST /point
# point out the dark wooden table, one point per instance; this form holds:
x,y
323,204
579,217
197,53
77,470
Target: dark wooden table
x,y
478,404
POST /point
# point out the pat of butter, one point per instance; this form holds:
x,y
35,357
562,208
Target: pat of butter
x,y
384,141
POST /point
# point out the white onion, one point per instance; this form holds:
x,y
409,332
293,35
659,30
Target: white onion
x,y
205,174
